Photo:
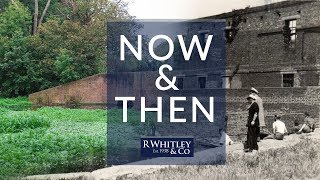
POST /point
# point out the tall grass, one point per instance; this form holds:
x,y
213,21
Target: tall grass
x,y
297,162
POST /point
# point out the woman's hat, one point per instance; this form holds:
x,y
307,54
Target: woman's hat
x,y
251,97
254,90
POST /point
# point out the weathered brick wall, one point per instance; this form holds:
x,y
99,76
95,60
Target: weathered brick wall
x,y
289,103
90,90
260,49
260,39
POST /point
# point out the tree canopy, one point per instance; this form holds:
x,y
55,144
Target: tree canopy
x,y
51,42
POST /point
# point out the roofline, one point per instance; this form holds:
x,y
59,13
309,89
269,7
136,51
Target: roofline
x,y
256,9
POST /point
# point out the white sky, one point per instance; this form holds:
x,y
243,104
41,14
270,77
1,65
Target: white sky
x,y
186,9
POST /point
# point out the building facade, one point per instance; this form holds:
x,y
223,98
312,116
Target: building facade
x,y
276,45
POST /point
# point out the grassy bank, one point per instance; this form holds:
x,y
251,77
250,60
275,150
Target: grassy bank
x,y
297,162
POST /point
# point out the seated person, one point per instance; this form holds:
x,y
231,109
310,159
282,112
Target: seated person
x,y
224,139
279,129
308,125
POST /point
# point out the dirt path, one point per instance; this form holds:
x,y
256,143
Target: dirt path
x,y
203,157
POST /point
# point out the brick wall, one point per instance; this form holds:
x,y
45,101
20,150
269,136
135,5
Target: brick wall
x,y
87,91
259,44
290,103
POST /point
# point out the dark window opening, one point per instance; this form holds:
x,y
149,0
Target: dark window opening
x,y
228,34
288,80
290,31
180,83
202,82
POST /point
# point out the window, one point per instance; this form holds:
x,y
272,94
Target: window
x,y
290,31
228,34
180,83
287,80
202,82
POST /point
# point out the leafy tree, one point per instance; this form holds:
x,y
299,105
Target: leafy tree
x,y
19,71
69,42
66,67
15,20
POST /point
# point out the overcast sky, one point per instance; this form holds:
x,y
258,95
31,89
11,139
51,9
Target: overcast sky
x,y
186,9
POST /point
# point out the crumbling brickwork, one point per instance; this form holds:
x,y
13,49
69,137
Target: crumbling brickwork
x,y
259,48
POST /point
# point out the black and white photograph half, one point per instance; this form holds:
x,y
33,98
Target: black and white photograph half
x,y
159,89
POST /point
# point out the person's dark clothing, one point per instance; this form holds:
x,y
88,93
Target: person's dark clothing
x,y
252,138
253,109
253,130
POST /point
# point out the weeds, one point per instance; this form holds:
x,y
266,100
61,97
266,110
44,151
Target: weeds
x,y
297,162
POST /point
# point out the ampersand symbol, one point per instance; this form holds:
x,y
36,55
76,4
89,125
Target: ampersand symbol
x,y
171,84
173,151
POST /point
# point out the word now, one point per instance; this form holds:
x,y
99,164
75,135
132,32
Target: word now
x,y
195,103
186,53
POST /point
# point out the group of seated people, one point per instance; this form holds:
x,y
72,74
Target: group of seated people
x,y
279,129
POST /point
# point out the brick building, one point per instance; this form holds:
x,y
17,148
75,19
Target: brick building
x,y
276,45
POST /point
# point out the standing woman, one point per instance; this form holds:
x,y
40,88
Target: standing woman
x,y
252,124
262,123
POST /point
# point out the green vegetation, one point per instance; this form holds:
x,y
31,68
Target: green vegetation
x,y
18,103
45,47
13,122
49,140
52,139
